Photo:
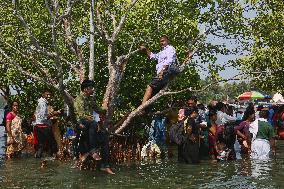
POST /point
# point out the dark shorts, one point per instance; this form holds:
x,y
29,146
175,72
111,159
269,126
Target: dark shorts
x,y
157,84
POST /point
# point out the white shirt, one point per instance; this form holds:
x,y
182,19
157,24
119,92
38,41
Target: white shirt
x,y
42,111
253,127
165,57
223,118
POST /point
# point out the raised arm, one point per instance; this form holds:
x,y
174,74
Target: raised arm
x,y
148,52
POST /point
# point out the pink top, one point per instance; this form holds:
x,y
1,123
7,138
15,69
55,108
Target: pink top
x,y
10,116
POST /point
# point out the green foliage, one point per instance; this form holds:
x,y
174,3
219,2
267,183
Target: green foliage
x,y
266,61
224,91
146,22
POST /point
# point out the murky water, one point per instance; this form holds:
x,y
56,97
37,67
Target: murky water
x,y
26,173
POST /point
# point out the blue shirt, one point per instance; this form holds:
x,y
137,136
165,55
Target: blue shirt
x,y
165,57
270,117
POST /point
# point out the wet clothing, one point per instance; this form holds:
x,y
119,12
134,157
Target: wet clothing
x,y
243,127
46,140
188,150
262,134
90,131
158,133
260,149
90,138
84,108
212,139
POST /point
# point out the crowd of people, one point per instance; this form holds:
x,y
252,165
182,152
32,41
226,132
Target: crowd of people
x,y
200,132
213,131
219,134
88,137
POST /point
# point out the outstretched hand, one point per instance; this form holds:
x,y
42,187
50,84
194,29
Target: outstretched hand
x,y
143,48
190,54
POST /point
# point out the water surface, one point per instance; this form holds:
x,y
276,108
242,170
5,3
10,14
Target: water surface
x,y
242,174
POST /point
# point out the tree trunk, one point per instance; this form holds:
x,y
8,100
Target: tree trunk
x,y
6,92
115,76
92,41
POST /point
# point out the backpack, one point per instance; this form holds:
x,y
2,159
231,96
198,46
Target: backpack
x,y
176,132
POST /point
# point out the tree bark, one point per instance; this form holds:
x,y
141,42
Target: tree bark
x,y
92,41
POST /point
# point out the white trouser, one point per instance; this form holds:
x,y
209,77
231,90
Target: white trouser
x,y
260,149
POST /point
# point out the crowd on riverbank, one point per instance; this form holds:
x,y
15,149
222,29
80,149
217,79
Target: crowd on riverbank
x,y
200,132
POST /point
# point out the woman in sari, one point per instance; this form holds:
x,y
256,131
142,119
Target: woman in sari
x,y
242,131
16,138
213,135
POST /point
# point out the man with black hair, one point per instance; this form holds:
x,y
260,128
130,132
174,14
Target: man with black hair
x,y
93,138
222,116
165,58
43,127
201,124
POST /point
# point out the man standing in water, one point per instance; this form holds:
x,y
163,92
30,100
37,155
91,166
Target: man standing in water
x,y
165,58
43,127
262,137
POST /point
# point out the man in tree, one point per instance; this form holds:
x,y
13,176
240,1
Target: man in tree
x,y
93,137
164,58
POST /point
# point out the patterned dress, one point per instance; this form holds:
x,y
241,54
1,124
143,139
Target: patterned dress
x,y
18,135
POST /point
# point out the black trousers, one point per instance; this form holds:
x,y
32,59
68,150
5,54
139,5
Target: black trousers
x,y
45,136
92,140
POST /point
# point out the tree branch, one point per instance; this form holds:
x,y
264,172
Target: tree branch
x,y
122,21
38,65
34,40
165,92
101,29
49,82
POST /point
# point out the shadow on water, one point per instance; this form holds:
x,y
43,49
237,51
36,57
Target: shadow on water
x,y
25,172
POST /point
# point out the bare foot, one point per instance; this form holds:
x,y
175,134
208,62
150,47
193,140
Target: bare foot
x,y
96,156
214,161
43,164
83,157
108,171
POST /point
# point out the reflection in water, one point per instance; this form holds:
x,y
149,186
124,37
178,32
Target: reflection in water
x,y
245,167
260,169
242,174
26,172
